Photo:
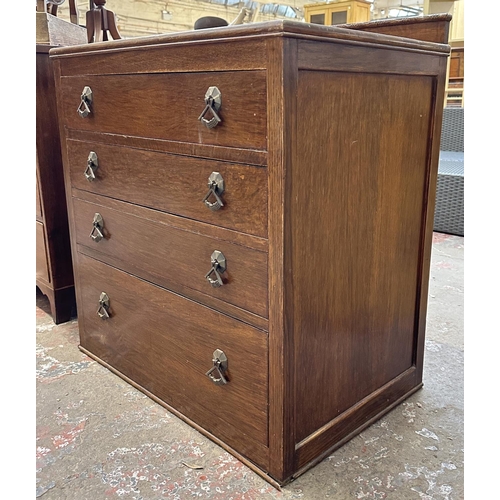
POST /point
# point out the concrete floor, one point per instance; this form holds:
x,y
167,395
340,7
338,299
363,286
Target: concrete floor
x,y
97,437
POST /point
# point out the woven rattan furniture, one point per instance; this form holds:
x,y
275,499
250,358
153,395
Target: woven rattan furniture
x,y
449,215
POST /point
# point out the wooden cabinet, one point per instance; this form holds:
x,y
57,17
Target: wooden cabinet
x,y
54,271
455,87
251,231
330,14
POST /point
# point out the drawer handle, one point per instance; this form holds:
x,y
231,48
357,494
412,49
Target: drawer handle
x,y
215,188
213,102
97,228
86,101
218,266
92,164
103,310
220,366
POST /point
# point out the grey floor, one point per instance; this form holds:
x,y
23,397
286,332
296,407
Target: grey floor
x,y
98,438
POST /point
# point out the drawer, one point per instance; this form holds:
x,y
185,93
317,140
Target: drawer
x,y
175,184
167,106
165,343
42,266
144,243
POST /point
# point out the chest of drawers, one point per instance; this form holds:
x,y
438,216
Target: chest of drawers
x,y
251,213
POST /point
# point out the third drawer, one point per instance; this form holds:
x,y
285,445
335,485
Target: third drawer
x,y
166,250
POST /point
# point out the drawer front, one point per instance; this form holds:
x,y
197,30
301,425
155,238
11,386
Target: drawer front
x,y
175,184
167,106
165,343
42,266
167,255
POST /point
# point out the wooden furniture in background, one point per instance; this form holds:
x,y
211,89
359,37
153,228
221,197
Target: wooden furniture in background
x,y
251,233
455,85
100,22
330,14
54,272
431,28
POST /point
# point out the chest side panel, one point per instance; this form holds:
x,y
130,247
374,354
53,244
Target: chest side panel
x,y
358,194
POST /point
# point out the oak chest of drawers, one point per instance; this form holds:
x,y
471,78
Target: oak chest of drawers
x,y
251,214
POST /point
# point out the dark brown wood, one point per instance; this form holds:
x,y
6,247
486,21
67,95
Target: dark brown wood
x,y
167,106
429,28
148,323
350,123
167,255
179,187
282,108
101,23
366,264
208,151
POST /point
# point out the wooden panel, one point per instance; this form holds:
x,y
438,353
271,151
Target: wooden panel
x,y
238,55
175,184
38,204
431,28
248,156
331,57
165,254
457,63
167,106
362,215
42,269
165,343
52,195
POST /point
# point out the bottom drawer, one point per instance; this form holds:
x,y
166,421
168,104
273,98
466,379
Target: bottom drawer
x,y
165,344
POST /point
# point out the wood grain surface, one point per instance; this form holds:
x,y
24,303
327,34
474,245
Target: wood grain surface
x,y
167,106
165,254
175,184
165,343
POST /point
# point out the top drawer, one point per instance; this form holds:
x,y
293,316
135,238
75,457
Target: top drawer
x,y
168,106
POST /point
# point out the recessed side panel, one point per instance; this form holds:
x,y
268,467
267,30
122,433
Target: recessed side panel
x,y
357,209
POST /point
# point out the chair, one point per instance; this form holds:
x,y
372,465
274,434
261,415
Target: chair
x,y
449,214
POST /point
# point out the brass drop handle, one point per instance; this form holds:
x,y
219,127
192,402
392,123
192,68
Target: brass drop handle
x,y
218,261
216,373
92,164
213,103
103,310
97,233
215,188
84,109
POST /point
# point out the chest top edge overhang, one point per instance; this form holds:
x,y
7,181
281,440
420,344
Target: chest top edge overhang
x,y
267,29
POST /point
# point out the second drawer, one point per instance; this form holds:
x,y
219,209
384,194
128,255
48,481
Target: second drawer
x,y
176,184
173,257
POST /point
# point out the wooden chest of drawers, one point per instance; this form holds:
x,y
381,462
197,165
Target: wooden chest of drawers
x,y
251,213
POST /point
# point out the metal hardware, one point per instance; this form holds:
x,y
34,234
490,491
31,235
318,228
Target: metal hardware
x,y
92,164
86,101
220,366
213,102
215,188
218,267
103,310
97,228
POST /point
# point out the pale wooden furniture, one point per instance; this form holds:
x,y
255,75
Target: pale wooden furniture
x,y
334,13
252,232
